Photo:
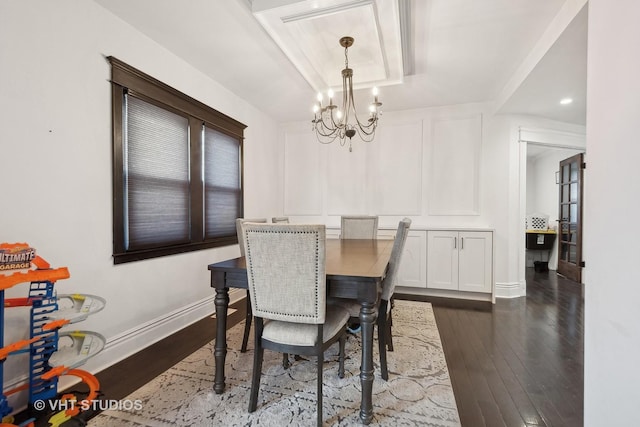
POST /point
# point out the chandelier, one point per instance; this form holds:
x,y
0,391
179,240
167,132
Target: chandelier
x,y
330,123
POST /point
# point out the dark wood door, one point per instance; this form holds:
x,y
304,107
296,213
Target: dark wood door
x,y
570,223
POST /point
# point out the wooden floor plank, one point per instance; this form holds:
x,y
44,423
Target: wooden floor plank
x,y
468,408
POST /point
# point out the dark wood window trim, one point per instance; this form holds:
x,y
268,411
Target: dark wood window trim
x,y
126,80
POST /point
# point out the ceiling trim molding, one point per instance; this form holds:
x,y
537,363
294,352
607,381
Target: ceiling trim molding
x,y
325,11
406,38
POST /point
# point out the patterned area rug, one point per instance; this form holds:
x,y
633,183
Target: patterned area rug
x,y
418,392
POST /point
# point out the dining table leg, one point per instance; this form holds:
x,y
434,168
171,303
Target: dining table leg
x,y
367,321
220,351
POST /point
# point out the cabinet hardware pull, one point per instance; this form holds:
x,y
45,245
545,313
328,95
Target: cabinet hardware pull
x,y
461,243
455,243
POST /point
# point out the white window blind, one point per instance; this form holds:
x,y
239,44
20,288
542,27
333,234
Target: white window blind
x,y
222,183
156,175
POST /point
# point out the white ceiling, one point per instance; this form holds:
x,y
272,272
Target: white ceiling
x,y
460,51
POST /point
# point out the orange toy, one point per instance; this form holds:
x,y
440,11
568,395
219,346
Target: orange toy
x,y
5,351
87,378
33,276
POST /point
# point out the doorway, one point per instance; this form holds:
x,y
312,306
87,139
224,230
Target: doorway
x,y
570,218
542,193
540,152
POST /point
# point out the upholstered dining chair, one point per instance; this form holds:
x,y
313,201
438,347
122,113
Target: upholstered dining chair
x,y
241,243
280,219
358,227
385,320
287,283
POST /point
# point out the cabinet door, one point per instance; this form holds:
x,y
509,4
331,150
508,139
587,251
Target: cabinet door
x,y
413,268
475,258
442,259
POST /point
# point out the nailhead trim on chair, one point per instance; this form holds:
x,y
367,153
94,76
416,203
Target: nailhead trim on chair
x,y
276,231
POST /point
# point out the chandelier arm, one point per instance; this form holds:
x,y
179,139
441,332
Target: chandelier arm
x,y
326,138
367,129
320,124
326,132
335,125
332,132
330,137
362,128
368,126
366,136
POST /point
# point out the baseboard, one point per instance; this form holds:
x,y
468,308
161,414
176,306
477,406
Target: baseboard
x,y
511,290
130,342
436,301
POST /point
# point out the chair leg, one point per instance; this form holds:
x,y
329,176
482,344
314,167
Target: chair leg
x,y
383,328
320,363
342,342
258,354
247,325
285,361
389,334
382,348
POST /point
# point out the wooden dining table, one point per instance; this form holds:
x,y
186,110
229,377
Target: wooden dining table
x,y
354,269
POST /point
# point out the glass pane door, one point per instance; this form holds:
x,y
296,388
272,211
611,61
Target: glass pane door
x,y
570,222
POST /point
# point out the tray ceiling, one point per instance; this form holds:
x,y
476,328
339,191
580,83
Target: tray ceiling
x,y
308,32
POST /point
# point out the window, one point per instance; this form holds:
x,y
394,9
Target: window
x,y
177,176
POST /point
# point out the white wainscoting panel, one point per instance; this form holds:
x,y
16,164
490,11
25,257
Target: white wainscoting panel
x,y
454,168
347,177
303,183
397,160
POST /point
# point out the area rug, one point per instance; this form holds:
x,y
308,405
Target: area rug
x,y
418,392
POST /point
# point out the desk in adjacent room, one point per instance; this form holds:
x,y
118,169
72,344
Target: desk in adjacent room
x,y
354,268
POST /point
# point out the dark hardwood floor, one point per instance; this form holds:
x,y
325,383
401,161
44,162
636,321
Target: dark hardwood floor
x,y
520,363
517,363
121,379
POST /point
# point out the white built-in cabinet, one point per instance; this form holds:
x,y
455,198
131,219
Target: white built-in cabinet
x,y
460,260
445,262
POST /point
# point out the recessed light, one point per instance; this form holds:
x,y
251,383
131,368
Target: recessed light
x,y
566,101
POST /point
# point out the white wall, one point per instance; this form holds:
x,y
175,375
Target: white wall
x,y
55,113
612,291
396,175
